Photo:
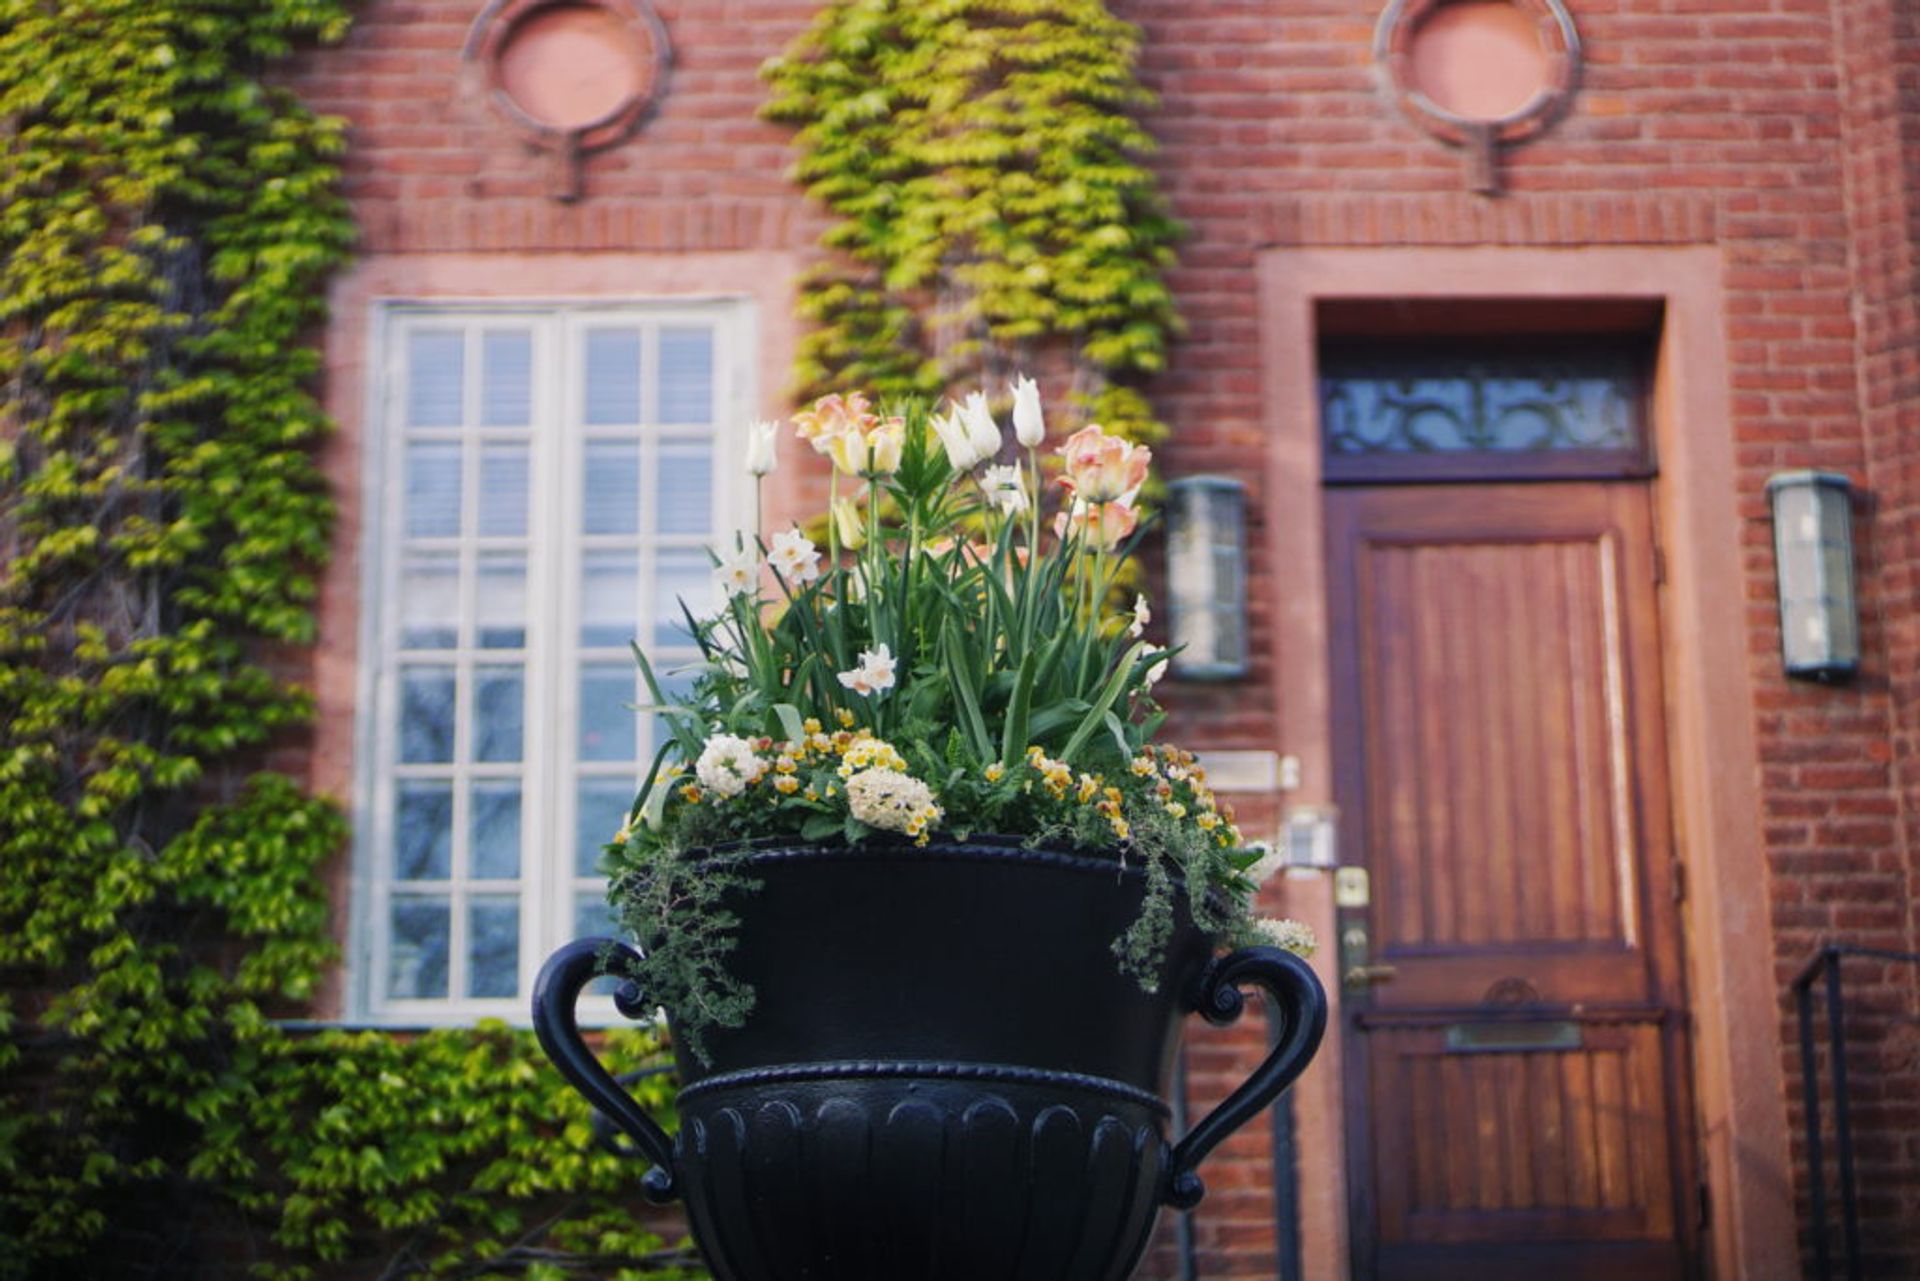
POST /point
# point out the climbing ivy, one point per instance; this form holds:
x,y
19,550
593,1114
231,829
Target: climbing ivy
x,y
992,211
167,224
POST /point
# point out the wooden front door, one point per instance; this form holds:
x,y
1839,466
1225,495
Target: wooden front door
x,y
1515,1009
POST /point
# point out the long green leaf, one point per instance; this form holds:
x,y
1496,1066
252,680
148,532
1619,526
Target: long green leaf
x,y
1108,695
1013,737
953,658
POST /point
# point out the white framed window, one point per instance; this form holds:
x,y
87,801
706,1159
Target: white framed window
x,y
543,485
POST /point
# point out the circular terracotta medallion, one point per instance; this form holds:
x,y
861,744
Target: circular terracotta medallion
x,y
1456,67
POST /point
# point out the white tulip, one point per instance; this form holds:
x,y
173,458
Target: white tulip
x,y
951,428
981,429
1029,425
761,456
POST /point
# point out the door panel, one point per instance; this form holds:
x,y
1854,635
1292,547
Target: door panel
x,y
1500,773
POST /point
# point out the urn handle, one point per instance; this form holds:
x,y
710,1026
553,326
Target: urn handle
x,y
1302,1014
555,994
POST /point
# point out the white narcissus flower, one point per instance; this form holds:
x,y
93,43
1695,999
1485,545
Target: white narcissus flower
x,y
1005,489
1155,672
727,765
1141,617
1029,425
794,557
762,457
982,431
951,428
874,673
739,573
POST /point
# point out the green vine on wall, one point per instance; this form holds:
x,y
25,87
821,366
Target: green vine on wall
x,y
167,224
993,214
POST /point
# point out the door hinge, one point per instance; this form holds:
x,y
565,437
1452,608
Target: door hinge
x,y
1703,1207
1679,881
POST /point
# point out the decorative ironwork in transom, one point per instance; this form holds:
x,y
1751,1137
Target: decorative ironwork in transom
x,y
1397,409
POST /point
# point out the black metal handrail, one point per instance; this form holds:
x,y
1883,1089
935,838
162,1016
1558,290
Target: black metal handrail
x,y
1827,961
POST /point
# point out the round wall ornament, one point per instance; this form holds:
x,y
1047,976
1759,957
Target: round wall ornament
x,y
1479,74
570,76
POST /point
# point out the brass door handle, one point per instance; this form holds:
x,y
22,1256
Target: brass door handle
x,y
1367,975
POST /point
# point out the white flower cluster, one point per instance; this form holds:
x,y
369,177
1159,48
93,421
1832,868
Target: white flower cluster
x,y
1288,936
728,765
893,802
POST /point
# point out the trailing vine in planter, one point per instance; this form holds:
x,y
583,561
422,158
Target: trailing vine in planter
x,y
167,223
993,214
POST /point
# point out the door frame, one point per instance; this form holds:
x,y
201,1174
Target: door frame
x,y
1739,1092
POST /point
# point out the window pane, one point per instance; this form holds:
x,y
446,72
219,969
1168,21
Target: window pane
x,y
613,377
436,369
609,598
423,832
417,947
686,375
600,810
606,715
1388,399
593,918
493,946
503,491
499,713
433,491
680,576
495,839
426,714
676,679
612,489
683,497
429,601
506,378
500,601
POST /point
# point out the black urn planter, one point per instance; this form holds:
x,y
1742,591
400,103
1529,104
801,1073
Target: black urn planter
x,y
945,1076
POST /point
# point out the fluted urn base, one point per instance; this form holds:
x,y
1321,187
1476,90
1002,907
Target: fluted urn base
x,y
948,1172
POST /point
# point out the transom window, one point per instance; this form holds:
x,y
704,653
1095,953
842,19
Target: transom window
x,y
1401,411
548,481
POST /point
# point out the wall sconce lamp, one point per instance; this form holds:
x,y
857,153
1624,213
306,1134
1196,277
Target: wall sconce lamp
x,y
1207,576
1813,561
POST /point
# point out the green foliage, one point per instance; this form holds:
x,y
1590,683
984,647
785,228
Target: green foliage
x,y
992,211
488,1171
167,223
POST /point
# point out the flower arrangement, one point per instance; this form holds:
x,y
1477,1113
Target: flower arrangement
x,y
952,663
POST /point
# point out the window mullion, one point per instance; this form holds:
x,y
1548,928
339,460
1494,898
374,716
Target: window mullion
x,y
564,402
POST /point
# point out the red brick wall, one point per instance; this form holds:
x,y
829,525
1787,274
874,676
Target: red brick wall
x,y
1776,136
1880,75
